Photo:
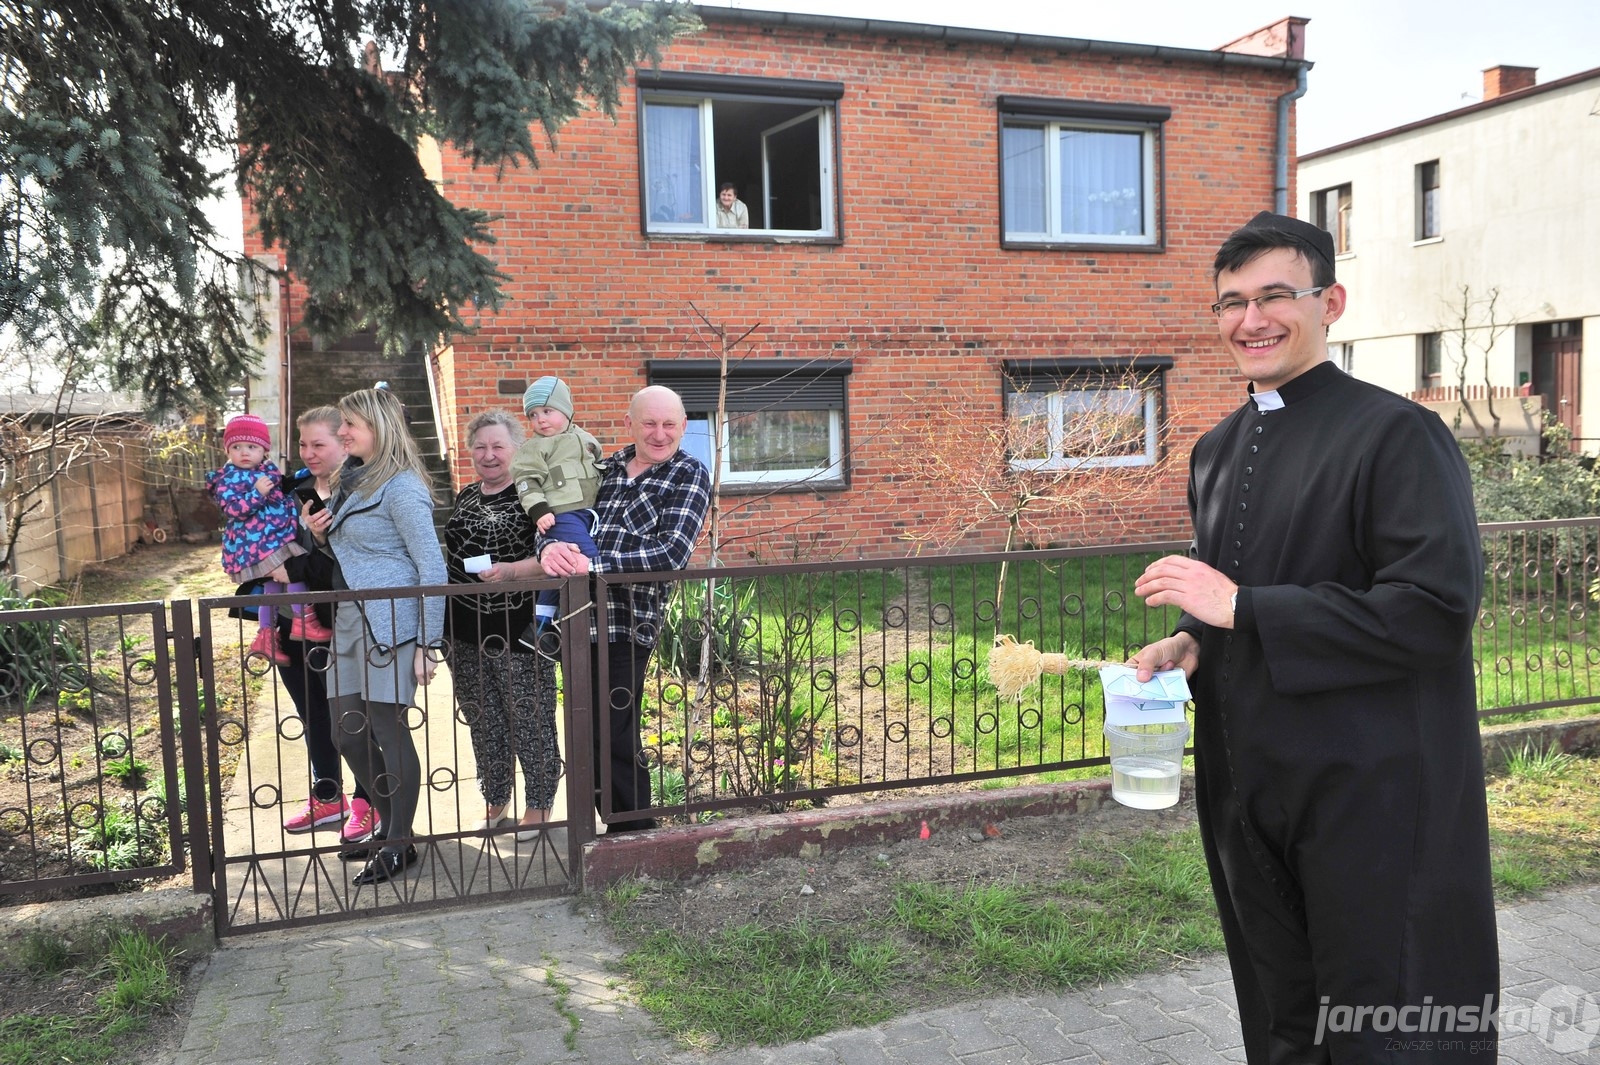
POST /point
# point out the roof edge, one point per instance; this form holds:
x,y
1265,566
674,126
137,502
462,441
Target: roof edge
x,y
1481,105
1001,38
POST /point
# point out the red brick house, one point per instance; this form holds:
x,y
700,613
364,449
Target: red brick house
x,y
976,224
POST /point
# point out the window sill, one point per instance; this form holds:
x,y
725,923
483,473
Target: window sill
x,y
1342,256
756,488
1427,240
1056,245
740,237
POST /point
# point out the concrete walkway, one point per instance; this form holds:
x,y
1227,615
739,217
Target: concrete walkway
x,y
534,982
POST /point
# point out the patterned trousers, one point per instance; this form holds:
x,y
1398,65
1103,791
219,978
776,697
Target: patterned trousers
x,y
508,700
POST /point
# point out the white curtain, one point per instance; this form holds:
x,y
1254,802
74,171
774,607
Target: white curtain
x,y
672,163
1102,182
1023,147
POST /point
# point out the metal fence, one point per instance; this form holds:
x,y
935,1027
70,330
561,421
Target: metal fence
x,y
770,686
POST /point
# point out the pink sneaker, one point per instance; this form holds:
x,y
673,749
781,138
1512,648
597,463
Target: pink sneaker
x,y
317,813
266,643
363,819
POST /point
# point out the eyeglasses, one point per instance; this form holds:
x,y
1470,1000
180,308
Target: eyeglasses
x,y
1234,308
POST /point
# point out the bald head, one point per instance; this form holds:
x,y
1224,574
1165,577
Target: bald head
x,y
656,420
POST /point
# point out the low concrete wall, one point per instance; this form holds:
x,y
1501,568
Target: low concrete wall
x,y
178,914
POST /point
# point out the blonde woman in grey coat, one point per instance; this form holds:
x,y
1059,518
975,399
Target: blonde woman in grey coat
x,y
380,529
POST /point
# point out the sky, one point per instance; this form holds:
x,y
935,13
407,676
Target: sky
x,y
1379,63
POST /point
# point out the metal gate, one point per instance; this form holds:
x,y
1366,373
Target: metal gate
x,y
251,717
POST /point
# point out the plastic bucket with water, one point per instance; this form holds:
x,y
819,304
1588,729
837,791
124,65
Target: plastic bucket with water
x,y
1146,763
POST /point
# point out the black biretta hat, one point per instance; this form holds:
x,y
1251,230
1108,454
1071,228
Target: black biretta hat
x,y
1311,239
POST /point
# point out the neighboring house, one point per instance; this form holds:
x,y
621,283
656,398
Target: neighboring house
x,y
968,222
1434,218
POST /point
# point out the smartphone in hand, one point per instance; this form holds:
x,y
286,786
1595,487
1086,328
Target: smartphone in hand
x,y
309,495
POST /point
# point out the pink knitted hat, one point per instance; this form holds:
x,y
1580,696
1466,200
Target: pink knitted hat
x,y
249,429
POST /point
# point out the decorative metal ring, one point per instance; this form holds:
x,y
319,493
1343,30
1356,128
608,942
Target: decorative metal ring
x,y
1518,616
701,752
422,718
1502,665
964,667
257,664
872,677
919,672
43,751
1115,599
1547,614
284,731
114,744
230,732
823,680
442,779
1591,654
1534,663
1028,719
493,647
984,610
319,658
941,727
265,796
467,712
1563,659
141,671
942,614
1072,714
1072,604
847,620
16,820
896,732
83,815
847,735
1029,607
150,808
799,623
673,694
1532,568
894,616
387,785
986,723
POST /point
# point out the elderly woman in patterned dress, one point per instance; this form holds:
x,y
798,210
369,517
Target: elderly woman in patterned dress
x,y
507,693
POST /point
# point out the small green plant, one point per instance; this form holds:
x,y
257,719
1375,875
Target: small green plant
x,y
127,770
113,745
668,787
142,977
34,651
1542,765
77,701
9,753
119,840
43,953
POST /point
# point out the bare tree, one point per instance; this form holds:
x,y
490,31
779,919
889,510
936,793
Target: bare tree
x,y
1048,461
1474,326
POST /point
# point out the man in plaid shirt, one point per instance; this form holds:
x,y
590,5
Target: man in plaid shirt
x,y
651,507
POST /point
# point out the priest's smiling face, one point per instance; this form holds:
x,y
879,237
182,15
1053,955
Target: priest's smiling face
x,y
1277,343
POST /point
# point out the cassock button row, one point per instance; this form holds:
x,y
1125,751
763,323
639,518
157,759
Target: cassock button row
x,y
1239,526
1254,449
1248,470
1258,430
1235,563
1238,544
1244,506
1244,487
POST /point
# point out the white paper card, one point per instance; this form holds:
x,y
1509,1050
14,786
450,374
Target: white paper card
x,y
1159,700
477,563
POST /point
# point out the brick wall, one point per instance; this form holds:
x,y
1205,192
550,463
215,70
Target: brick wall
x,y
919,294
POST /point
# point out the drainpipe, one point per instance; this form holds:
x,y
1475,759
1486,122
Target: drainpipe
x,y
1280,190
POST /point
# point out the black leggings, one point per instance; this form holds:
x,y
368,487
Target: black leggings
x,y
308,690
375,741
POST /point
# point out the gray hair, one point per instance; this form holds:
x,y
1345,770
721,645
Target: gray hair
x,y
503,418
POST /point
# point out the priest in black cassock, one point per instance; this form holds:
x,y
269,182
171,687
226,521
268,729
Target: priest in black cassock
x,y
1328,609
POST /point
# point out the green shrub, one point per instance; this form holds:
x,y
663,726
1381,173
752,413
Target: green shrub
x,y
36,654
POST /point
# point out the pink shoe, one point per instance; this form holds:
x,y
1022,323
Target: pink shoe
x,y
266,645
309,629
363,819
317,813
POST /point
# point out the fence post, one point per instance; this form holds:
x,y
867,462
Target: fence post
x,y
186,664
578,703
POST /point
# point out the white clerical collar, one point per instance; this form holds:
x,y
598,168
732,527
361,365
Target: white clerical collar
x,y
1266,401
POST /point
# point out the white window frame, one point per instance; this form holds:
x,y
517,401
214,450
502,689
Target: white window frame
x,y
755,386
1338,222
814,476
1056,381
1063,117
824,111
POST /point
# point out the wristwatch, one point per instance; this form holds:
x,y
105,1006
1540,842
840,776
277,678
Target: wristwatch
x,y
1233,605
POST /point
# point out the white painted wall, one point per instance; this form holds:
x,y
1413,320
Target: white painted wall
x,y
1520,211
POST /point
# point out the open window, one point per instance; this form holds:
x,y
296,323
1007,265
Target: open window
x,y
772,139
1081,413
1080,173
784,422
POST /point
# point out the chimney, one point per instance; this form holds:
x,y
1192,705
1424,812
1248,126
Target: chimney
x,y
1497,81
1285,38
